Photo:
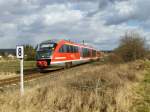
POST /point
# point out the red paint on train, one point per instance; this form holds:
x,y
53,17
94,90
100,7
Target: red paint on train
x,y
62,52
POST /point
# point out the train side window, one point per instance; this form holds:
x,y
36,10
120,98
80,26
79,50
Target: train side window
x,y
61,49
64,48
67,49
76,49
72,49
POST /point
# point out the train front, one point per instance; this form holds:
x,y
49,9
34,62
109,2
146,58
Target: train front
x,y
44,54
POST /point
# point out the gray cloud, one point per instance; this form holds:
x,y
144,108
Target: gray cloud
x,y
133,10
98,22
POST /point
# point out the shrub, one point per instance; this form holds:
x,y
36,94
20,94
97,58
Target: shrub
x,y
132,47
29,52
114,59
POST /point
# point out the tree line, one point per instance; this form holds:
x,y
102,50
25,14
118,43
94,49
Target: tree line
x,y
132,46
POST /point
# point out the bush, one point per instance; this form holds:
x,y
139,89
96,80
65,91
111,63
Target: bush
x,y
114,59
29,52
132,47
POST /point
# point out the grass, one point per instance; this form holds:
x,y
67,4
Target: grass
x,y
88,88
14,65
143,104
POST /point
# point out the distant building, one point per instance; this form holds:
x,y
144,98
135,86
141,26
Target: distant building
x,y
7,52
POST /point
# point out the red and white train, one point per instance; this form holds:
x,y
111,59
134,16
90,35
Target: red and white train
x,y
63,53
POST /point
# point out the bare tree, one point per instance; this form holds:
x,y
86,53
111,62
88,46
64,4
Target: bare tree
x,y
132,46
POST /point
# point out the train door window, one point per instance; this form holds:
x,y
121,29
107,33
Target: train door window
x,y
86,52
81,51
89,52
93,53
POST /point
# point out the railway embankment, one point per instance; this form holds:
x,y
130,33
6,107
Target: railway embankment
x,y
93,87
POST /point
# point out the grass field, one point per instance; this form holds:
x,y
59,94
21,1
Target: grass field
x,y
143,103
14,66
93,87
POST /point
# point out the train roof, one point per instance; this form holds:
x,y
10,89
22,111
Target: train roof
x,y
68,42
50,41
78,44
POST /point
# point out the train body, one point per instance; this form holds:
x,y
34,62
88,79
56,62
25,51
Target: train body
x,y
63,53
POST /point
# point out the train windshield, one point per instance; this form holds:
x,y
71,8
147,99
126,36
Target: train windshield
x,y
47,46
45,50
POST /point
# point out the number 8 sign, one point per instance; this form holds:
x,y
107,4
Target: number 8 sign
x,y
20,52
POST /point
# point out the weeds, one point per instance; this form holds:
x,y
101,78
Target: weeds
x,y
98,88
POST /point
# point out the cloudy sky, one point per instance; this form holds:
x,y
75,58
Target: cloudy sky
x,y
99,22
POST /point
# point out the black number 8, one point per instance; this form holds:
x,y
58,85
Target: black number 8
x,y
19,51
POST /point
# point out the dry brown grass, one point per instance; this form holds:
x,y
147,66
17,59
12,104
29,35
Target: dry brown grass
x,y
90,88
5,75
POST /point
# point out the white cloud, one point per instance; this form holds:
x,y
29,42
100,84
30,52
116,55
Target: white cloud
x,y
53,14
98,22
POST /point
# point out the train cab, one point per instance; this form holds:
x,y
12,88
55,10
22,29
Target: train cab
x,y
44,53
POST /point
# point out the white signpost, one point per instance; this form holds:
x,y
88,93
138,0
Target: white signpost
x,y
20,55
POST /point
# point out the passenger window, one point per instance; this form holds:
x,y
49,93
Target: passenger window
x,y
61,49
68,49
76,49
64,48
71,49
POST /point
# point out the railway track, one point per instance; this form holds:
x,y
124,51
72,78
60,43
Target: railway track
x,y
28,75
33,74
